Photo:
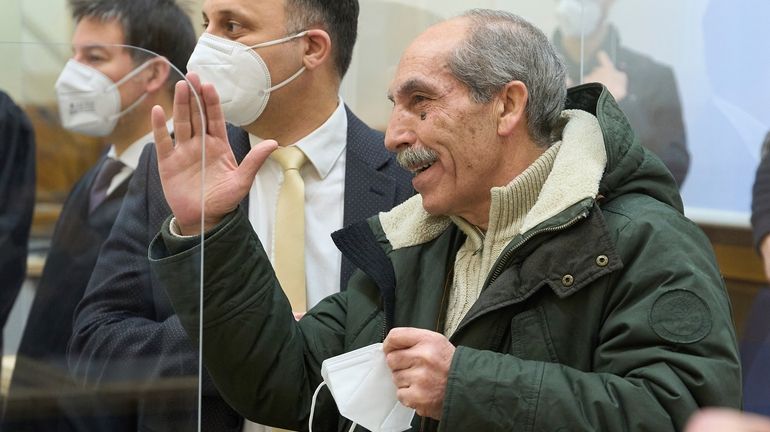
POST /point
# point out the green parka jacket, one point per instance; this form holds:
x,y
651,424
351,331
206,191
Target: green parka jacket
x,y
610,315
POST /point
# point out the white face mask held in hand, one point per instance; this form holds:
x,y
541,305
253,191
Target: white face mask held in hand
x,y
239,74
89,102
362,386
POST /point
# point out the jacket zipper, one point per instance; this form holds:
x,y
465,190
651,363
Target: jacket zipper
x,y
507,256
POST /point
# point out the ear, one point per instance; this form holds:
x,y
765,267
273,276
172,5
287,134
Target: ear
x,y
512,108
157,74
318,48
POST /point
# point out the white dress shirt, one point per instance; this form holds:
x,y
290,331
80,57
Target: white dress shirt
x,y
130,158
324,177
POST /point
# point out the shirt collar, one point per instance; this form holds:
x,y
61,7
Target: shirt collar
x,y
324,145
130,157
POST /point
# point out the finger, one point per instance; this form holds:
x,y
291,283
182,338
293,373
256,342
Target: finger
x,y
604,59
216,118
182,127
405,378
196,110
163,144
403,337
399,360
254,159
407,397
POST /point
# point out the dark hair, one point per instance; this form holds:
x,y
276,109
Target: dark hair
x,y
160,26
339,18
503,47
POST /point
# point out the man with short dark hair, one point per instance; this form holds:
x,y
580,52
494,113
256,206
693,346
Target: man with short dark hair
x,y
106,90
278,66
544,279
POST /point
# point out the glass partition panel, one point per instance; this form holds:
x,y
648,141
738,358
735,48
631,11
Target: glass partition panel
x,y
91,340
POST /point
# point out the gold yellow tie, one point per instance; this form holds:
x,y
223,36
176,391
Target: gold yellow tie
x,y
289,237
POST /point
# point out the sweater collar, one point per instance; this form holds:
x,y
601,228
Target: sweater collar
x,y
511,203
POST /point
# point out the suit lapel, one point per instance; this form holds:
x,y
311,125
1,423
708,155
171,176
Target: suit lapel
x,y
367,190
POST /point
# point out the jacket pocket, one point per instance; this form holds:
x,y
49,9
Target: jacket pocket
x,y
530,338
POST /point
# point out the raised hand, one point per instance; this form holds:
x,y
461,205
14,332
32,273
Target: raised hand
x,y
420,361
182,168
613,78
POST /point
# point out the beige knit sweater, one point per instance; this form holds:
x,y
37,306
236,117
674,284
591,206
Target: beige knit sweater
x,y
510,205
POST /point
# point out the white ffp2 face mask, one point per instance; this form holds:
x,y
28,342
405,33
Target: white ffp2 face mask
x,y
239,74
89,102
578,17
362,386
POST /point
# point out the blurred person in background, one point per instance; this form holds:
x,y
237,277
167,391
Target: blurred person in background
x,y
645,89
755,343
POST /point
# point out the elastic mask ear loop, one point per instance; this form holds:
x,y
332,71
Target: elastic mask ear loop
x,y
130,107
286,81
278,41
133,73
128,76
312,410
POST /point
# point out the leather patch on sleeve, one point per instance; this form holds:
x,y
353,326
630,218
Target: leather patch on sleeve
x,y
680,316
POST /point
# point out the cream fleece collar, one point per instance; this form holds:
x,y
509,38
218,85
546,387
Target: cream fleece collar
x,y
575,176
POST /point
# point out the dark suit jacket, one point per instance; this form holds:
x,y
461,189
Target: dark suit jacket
x,y
41,359
755,343
17,197
125,327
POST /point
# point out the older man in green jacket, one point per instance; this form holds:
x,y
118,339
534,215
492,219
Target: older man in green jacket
x,y
544,279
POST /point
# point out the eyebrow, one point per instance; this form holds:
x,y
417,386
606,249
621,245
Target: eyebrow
x,y
412,85
91,47
228,13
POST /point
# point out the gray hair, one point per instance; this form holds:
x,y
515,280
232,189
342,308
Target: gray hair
x,y
503,47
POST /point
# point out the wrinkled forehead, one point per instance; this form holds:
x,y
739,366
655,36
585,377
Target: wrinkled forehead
x,y
427,57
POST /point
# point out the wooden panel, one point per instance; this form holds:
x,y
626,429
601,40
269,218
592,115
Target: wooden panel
x,y
739,263
61,159
741,268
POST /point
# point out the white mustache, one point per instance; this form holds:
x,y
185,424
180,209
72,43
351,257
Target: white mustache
x,y
412,158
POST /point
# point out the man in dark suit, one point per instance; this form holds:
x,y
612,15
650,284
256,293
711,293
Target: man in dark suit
x,y
103,68
17,198
286,88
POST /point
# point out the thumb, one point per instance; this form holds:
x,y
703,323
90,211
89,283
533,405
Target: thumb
x,y
254,159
